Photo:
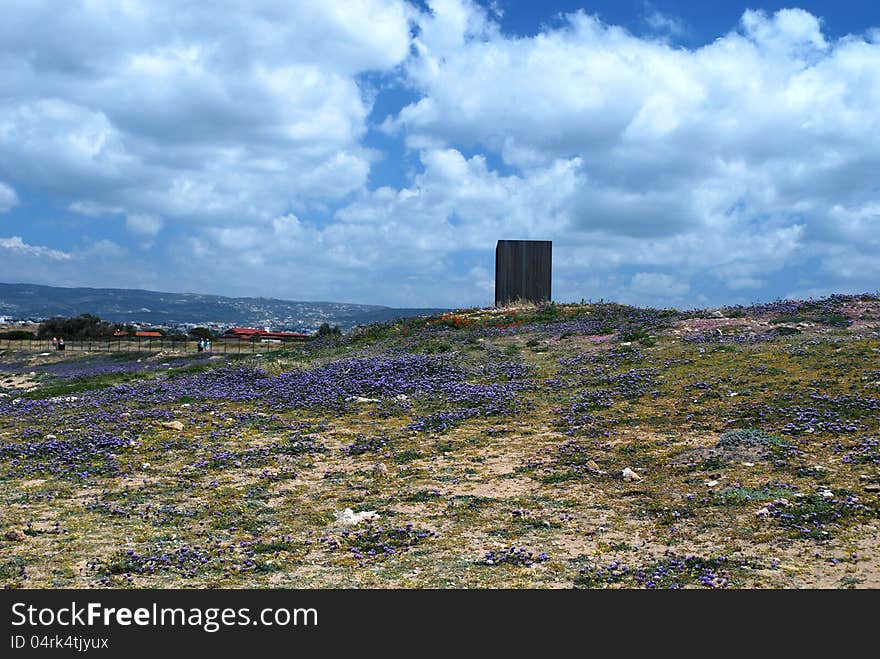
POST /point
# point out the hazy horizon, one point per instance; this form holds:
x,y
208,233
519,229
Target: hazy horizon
x,y
357,303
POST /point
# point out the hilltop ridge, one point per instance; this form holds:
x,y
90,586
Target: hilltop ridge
x,y
32,301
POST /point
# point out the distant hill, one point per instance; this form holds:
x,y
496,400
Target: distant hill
x,y
24,301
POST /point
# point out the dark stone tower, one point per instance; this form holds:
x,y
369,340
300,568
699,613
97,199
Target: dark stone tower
x,y
522,271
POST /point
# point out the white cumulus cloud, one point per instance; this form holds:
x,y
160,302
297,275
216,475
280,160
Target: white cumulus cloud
x,y
17,246
220,112
236,141
8,198
146,225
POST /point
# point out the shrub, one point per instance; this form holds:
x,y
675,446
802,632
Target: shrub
x,y
750,437
326,330
17,335
201,332
84,326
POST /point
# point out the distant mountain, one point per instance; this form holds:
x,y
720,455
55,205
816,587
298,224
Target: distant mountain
x,y
30,301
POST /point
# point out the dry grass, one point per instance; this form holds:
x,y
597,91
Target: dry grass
x,y
489,483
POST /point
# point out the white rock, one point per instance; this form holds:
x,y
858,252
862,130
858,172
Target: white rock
x,y
762,512
350,518
748,464
630,475
711,483
146,465
827,493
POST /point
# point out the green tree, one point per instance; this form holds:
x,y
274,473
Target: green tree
x,y
17,335
84,326
201,332
326,330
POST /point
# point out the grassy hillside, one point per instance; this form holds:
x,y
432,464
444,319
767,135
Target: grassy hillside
x,y
564,446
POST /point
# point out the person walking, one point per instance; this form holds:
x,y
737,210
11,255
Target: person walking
x,y
54,343
201,344
61,343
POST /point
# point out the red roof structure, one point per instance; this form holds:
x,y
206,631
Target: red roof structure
x,y
253,333
140,333
242,331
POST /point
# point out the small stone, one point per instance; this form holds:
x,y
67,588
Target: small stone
x,y
14,535
828,494
592,466
873,487
380,469
630,475
350,518
174,425
711,483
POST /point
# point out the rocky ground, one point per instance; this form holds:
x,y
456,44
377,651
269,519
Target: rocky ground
x,y
562,446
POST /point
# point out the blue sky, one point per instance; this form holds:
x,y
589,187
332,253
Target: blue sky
x,y
677,153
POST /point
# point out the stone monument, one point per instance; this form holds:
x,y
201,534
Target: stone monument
x,y
522,271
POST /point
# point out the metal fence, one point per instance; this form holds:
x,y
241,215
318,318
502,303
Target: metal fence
x,y
222,346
